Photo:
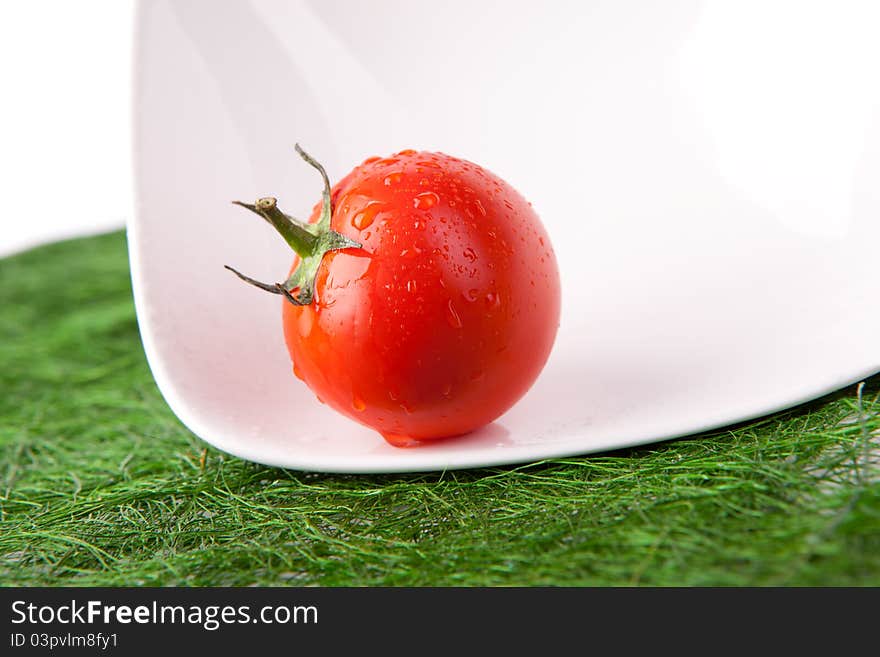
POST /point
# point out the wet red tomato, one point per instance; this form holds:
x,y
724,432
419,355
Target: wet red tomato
x,y
446,312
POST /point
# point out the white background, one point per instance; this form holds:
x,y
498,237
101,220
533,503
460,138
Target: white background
x,y
64,119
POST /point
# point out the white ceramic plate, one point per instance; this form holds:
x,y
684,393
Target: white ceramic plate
x,y
708,172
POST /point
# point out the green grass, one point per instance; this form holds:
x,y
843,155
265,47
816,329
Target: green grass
x,y
101,485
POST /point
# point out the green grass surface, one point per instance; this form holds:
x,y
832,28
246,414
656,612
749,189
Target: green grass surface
x,y
101,485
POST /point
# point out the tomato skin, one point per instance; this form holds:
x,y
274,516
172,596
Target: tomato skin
x,y
448,313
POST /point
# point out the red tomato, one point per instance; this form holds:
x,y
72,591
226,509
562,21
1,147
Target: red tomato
x,y
445,315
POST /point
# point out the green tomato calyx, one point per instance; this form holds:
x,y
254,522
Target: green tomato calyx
x,y
311,242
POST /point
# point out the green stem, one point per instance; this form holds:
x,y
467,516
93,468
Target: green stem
x,y
310,241
326,207
294,232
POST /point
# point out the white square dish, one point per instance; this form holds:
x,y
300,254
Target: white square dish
x,y
714,208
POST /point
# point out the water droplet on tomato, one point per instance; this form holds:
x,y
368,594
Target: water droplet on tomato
x,y
393,178
411,286
476,375
452,315
470,254
364,217
306,321
370,160
471,295
480,207
400,440
407,151
358,404
447,390
493,301
425,200
297,373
